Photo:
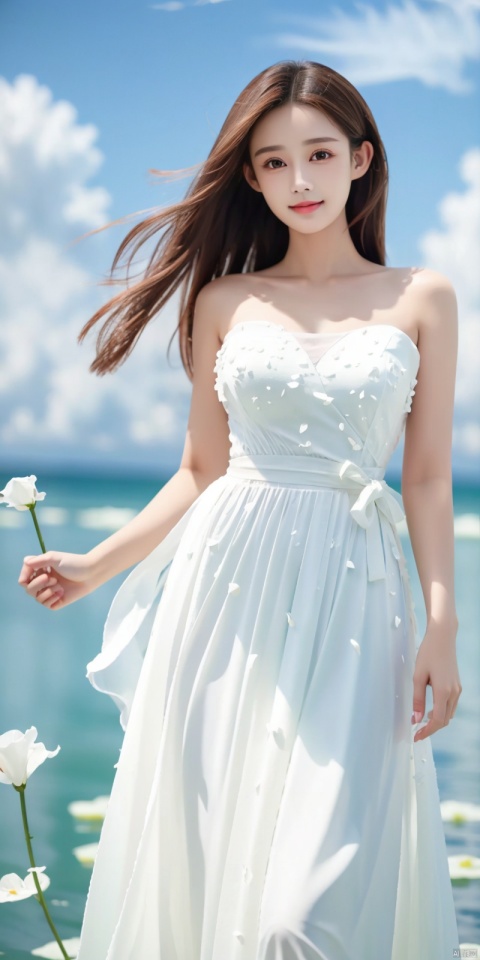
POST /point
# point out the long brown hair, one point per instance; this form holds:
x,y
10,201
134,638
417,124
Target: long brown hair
x,y
222,226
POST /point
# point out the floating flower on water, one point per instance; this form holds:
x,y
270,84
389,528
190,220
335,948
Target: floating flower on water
x,y
20,755
89,809
86,853
12,887
458,811
51,950
464,866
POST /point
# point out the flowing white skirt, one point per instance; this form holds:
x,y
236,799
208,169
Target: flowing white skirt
x,y
269,802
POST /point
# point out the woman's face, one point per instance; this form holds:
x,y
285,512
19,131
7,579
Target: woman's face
x,y
288,169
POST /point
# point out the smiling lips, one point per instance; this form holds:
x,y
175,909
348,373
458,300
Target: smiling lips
x,y
306,205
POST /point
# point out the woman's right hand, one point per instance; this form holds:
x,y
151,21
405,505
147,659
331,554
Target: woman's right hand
x,y
56,579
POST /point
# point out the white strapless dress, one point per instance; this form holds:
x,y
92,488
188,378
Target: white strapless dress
x,y
269,802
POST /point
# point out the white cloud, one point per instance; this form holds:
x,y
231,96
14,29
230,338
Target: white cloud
x,y
49,288
455,251
430,43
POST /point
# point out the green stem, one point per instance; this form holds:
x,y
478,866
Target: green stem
x,y
28,838
31,507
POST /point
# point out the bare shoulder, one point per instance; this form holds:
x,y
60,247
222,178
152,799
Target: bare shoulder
x,y
430,285
434,309
435,304
428,281
220,299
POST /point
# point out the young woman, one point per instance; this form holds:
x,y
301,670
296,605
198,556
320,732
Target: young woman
x,y
275,798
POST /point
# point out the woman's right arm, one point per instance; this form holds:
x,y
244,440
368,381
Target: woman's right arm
x,y
56,579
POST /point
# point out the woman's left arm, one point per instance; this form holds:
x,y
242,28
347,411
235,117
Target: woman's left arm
x,y
428,499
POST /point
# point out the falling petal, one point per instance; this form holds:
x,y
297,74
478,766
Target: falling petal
x,y
354,444
351,564
355,645
323,396
291,621
277,734
398,621
233,588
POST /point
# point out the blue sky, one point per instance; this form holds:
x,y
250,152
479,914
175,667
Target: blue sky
x,y
93,95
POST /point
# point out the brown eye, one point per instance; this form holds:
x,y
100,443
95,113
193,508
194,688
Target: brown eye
x,y
272,161
276,160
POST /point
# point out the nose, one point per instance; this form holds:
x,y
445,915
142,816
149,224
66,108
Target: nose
x,y
300,180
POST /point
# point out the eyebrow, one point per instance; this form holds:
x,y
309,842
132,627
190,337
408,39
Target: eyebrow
x,y
281,146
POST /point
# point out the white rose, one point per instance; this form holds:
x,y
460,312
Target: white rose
x,y
21,493
20,755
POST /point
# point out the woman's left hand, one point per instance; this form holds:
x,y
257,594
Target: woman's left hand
x,y
436,664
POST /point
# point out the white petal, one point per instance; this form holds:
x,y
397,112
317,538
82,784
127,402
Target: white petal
x,y
51,951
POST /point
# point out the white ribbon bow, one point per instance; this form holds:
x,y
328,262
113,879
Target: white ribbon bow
x,y
375,496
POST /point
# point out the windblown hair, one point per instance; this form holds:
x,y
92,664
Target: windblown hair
x,y
223,226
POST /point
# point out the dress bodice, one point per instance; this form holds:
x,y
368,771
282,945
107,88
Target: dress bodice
x,y
328,395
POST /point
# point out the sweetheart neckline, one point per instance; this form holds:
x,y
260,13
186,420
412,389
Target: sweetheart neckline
x,y
293,335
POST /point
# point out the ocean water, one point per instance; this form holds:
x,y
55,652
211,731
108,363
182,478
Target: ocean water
x,y
43,684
